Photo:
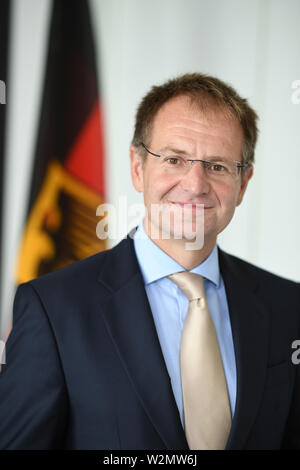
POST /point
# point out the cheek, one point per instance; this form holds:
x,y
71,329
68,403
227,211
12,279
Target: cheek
x,y
228,197
157,187
227,200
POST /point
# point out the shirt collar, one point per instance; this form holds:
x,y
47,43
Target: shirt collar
x,y
156,264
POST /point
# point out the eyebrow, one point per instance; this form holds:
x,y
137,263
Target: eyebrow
x,y
174,150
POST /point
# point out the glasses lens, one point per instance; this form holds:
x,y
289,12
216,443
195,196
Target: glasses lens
x,y
178,164
216,169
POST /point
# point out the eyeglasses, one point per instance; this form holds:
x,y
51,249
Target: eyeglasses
x,y
216,167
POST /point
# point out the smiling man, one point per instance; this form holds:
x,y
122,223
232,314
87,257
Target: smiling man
x,y
161,343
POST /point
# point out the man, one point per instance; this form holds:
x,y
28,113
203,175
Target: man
x,y
164,341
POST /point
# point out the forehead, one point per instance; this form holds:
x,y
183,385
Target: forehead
x,y
182,120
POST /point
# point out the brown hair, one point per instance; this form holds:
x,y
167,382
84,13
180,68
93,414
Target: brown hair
x,y
208,93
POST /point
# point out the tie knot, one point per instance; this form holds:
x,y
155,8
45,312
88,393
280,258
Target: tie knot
x,y
191,284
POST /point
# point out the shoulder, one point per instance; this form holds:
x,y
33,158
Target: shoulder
x,y
74,273
73,283
253,273
87,269
70,282
274,294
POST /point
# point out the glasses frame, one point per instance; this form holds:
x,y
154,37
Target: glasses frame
x,y
240,166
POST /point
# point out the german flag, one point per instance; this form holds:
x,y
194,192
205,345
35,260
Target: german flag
x,y
68,171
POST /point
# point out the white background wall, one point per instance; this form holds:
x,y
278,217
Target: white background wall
x,y
254,45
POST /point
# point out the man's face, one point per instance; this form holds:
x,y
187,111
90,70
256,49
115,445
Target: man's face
x,y
180,125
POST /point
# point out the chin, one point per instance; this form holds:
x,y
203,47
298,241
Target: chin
x,y
187,231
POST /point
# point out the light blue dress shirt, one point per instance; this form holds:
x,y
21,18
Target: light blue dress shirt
x,y
169,306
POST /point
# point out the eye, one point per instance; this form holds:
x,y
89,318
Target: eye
x,y
174,160
218,168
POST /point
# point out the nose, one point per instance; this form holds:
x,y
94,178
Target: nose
x,y
195,180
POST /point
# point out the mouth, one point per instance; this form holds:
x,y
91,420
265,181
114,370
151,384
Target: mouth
x,y
195,206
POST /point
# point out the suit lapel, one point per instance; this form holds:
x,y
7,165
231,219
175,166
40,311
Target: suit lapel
x,y
250,329
130,323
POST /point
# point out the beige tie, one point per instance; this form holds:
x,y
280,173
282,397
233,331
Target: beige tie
x,y
205,396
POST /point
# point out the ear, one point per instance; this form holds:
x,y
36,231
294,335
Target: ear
x,y
136,164
244,184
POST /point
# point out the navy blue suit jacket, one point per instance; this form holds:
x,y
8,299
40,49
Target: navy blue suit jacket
x,y
84,368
